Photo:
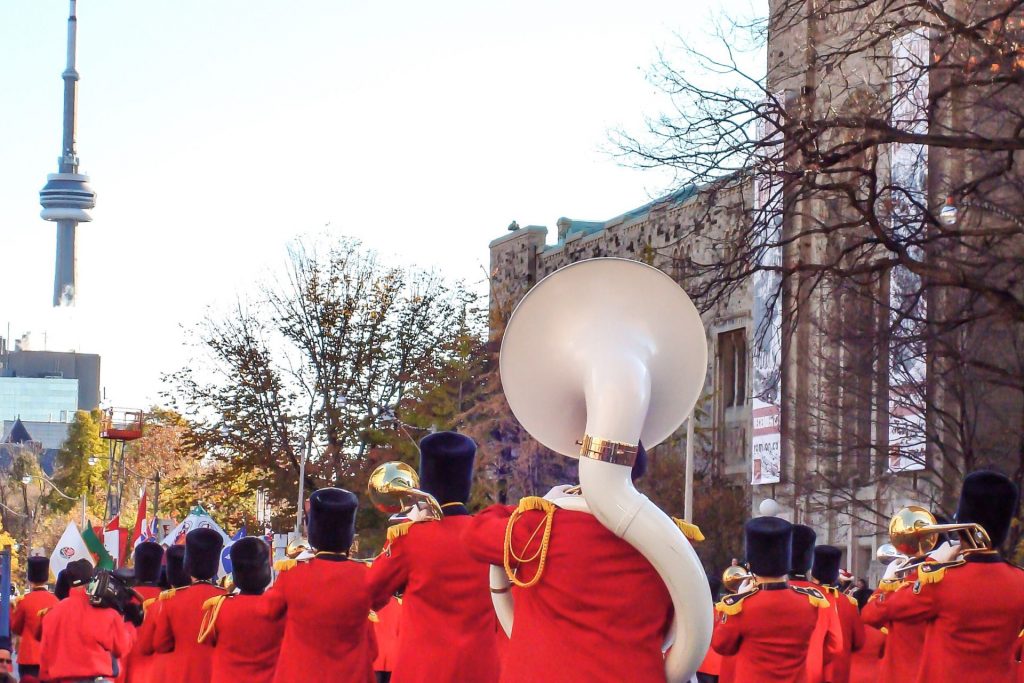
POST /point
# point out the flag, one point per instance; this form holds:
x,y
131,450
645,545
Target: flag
x,y
140,521
197,518
225,555
149,532
69,548
102,558
112,540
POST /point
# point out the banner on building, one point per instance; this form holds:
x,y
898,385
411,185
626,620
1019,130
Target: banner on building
x,y
907,307
766,441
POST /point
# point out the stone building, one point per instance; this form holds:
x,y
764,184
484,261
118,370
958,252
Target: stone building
x,y
845,460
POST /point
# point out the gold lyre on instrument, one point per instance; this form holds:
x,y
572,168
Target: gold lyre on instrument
x,y
393,489
734,576
914,532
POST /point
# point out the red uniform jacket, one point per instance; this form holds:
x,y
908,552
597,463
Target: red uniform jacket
x,y
827,628
769,633
866,663
25,620
386,629
324,605
176,633
136,667
975,612
144,646
244,639
599,612
448,630
80,641
838,670
904,643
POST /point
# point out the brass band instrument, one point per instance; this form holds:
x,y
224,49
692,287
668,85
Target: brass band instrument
x,y
914,532
606,354
734,576
296,547
393,489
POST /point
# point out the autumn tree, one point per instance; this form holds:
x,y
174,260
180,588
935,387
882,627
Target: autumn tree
x,y
323,364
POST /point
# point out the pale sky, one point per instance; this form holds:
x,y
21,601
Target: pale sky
x,y
216,131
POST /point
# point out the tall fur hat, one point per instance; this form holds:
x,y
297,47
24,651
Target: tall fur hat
x,y
38,569
769,544
826,564
332,519
202,553
989,499
250,565
176,574
147,557
446,467
803,549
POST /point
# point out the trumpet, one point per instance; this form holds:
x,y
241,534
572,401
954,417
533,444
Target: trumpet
x,y
734,576
914,532
393,489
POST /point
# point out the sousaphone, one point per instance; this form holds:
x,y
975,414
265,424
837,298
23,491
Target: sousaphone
x,y
597,357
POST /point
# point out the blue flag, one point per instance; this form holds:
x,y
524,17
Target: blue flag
x,y
225,555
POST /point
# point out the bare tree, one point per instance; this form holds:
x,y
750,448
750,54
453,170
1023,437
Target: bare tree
x,y
877,146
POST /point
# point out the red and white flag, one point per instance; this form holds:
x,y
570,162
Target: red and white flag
x,y
140,521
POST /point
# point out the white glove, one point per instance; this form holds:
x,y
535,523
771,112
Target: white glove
x,y
892,571
557,492
947,552
417,514
745,586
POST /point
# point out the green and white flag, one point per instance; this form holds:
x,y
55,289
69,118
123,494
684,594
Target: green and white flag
x,y
69,548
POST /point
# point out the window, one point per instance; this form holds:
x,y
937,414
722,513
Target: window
x,y
732,368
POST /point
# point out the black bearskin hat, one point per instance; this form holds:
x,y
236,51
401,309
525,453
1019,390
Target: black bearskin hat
x,y
803,549
250,565
769,543
332,519
989,499
148,557
826,564
63,585
38,570
202,553
446,466
176,574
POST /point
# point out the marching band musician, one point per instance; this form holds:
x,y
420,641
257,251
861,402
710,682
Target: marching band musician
x,y
768,626
148,557
825,572
324,602
245,641
27,616
973,603
176,577
177,623
448,630
801,560
588,606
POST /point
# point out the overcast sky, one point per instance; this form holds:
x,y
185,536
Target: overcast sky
x,y
216,131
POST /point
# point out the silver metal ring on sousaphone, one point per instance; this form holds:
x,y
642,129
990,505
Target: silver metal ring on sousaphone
x,y
608,353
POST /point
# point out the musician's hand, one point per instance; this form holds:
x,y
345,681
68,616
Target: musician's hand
x,y
557,492
418,514
947,552
892,570
745,586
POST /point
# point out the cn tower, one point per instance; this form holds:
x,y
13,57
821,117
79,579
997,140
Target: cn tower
x,y
66,197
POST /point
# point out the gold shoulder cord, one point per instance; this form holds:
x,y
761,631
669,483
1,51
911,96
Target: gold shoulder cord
x,y
211,608
525,505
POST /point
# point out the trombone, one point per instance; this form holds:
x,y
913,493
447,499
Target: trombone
x,y
914,532
393,489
